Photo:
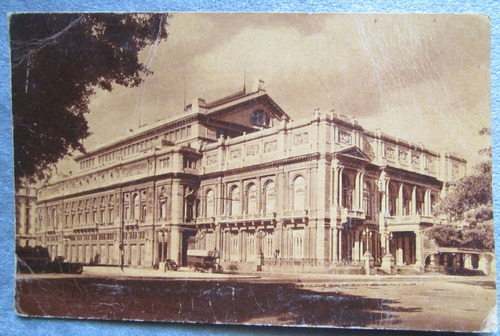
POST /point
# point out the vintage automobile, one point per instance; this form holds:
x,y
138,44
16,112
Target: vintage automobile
x,y
204,261
37,260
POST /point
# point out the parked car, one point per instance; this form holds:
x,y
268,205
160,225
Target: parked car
x,y
37,260
204,261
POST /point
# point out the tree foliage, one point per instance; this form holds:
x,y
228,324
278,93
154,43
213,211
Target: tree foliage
x,y
58,60
466,213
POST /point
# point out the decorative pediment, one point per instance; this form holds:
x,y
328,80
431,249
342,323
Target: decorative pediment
x,y
250,109
354,152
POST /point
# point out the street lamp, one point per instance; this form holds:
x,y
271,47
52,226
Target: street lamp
x,y
368,235
162,255
66,251
388,259
260,262
368,256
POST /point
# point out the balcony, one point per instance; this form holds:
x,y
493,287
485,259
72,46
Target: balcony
x,y
355,214
85,228
131,224
204,220
410,220
352,215
258,217
295,215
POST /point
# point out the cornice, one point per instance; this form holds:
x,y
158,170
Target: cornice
x,y
265,165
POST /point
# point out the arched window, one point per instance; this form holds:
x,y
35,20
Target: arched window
x,y
367,200
210,197
260,118
251,199
299,193
269,197
235,202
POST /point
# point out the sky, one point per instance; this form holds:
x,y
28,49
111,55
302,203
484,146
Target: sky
x,y
423,78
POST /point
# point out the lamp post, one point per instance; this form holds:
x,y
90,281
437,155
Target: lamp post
x,y
162,254
162,264
66,250
368,256
388,259
260,262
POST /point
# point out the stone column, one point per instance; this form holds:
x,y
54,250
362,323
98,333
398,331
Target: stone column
x,y
340,246
175,244
307,242
361,187
240,244
399,211
278,234
335,257
335,190
177,202
340,187
355,198
227,244
218,244
427,202
355,251
413,210
260,192
418,250
21,225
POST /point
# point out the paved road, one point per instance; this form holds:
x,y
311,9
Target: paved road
x,y
396,302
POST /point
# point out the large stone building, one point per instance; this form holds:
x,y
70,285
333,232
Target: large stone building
x,y
237,175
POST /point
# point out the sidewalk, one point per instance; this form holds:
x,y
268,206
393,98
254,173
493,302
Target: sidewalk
x,y
182,273
305,279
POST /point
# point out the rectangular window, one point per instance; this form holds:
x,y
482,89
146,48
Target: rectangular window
x,y
28,220
144,211
298,243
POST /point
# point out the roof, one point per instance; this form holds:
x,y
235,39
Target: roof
x,y
211,110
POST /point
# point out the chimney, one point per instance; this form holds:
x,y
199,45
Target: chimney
x,y
259,85
199,105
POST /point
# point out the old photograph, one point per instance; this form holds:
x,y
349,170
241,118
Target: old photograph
x,y
291,169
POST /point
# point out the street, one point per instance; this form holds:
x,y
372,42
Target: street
x,y
418,302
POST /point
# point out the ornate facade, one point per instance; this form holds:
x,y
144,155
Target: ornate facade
x,y
239,176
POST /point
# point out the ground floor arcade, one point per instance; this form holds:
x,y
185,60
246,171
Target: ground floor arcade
x,y
246,245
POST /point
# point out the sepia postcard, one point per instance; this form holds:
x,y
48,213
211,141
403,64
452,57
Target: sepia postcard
x,y
320,170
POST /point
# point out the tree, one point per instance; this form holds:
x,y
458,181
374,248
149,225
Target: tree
x,y
466,213
58,60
